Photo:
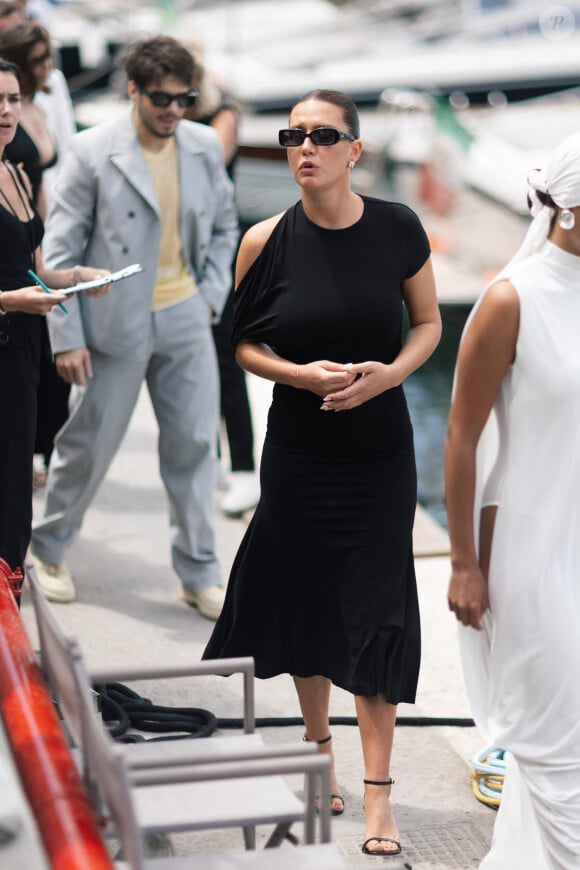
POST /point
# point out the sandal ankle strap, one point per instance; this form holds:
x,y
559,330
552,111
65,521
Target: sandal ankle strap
x,y
389,781
307,739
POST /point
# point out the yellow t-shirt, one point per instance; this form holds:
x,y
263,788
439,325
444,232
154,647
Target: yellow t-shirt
x,y
174,282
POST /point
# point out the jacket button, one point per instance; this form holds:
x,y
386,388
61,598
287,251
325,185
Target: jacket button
x,y
131,214
125,249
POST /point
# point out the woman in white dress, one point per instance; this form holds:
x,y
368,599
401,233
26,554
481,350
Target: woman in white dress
x,y
515,524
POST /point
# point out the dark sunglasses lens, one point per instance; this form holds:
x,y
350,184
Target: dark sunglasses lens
x,y
325,136
320,136
160,99
184,101
291,138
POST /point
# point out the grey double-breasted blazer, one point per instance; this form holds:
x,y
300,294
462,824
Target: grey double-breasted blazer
x,y
104,213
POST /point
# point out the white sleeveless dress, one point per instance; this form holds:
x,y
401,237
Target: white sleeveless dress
x,y
523,672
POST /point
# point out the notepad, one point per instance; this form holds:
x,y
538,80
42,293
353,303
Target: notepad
x,y
119,275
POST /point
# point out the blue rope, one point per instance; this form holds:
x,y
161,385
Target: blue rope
x,y
487,775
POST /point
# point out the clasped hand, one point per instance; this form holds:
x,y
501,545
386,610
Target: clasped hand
x,y
345,386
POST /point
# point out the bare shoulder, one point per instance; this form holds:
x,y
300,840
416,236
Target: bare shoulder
x,y
502,295
495,324
253,243
257,236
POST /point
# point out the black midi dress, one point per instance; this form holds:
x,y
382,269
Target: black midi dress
x,y
23,342
323,582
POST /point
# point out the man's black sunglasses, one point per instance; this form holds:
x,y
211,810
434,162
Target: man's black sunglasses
x,y
319,136
161,99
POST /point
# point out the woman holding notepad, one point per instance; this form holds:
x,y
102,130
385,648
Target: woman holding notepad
x,y
23,306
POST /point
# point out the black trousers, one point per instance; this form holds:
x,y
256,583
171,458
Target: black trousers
x,y
19,377
235,406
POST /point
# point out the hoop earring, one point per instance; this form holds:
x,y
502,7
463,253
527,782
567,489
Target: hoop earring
x,y
567,219
351,164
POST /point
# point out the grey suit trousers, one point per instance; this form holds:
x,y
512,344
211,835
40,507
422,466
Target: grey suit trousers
x,y
181,373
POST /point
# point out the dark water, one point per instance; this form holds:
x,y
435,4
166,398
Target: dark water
x,y
428,392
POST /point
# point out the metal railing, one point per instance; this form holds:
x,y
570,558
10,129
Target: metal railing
x,y
53,788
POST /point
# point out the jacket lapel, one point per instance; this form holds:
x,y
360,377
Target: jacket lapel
x,y
127,156
191,157
192,205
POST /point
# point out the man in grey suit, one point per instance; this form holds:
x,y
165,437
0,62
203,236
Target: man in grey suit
x,y
146,188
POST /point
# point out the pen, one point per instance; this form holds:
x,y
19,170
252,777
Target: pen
x,y
45,288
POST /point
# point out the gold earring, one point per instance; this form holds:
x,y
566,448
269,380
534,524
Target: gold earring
x,y
351,164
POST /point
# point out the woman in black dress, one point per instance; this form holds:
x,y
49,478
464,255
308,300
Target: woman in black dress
x,y
323,585
33,149
23,334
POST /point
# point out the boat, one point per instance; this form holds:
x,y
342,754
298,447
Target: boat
x,y
268,53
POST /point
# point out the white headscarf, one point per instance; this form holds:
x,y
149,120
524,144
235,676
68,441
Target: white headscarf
x,y
561,181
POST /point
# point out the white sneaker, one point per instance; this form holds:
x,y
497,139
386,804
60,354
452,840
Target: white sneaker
x,y
55,581
243,493
209,600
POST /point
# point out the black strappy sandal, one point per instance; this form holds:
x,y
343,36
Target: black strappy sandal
x,y
332,797
364,848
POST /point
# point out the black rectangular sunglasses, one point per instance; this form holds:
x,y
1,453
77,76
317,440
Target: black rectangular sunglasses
x,y
319,136
161,99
